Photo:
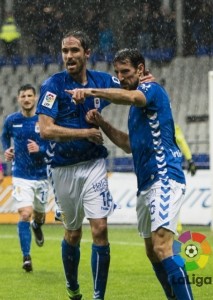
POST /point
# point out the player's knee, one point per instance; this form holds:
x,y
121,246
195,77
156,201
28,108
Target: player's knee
x,y
73,237
39,217
100,235
162,249
25,215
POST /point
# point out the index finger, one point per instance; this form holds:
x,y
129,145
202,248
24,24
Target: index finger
x,y
71,92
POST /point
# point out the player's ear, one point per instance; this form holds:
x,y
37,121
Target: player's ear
x,y
87,53
141,69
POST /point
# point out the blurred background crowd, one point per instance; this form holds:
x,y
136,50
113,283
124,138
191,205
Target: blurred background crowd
x,y
161,29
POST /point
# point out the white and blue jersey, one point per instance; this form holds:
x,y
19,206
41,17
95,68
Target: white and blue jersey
x,y
57,104
26,165
152,138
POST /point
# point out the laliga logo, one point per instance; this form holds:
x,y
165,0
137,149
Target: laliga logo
x,y
194,249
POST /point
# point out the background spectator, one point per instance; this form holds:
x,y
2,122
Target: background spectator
x,y
105,48
10,36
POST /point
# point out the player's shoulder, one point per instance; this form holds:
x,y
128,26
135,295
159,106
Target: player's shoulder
x,y
14,116
102,76
55,78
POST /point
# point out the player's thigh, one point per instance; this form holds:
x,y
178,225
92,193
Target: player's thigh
x,y
143,215
23,192
97,199
68,186
41,195
159,206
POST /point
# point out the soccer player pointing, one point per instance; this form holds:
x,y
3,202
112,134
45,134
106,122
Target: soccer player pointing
x,y
157,162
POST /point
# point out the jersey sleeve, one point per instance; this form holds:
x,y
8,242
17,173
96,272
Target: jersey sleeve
x,y
48,100
149,91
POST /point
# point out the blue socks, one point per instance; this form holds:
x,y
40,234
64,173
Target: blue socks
x,y
71,258
177,277
163,278
100,261
24,233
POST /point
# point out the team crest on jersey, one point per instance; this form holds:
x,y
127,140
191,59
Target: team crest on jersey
x,y
97,102
37,129
145,87
115,79
49,100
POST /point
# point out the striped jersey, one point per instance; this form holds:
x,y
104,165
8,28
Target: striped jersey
x,y
152,137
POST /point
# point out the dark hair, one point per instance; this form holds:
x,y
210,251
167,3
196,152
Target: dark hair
x,y
26,87
133,55
81,36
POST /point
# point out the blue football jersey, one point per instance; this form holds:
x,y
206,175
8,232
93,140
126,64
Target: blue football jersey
x,y
58,104
19,128
152,138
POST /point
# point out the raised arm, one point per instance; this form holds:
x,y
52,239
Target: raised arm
x,y
117,96
118,137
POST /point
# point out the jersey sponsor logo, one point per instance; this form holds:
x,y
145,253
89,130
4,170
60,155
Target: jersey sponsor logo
x,y
37,129
49,100
115,79
97,102
101,185
17,125
176,153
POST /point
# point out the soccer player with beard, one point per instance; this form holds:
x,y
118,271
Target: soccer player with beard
x,y
23,146
77,159
157,161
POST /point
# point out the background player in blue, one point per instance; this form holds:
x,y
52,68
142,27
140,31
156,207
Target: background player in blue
x,y
157,162
30,185
77,159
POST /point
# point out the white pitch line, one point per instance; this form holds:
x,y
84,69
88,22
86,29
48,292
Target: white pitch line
x,y
11,236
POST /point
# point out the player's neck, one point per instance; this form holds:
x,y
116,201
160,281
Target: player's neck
x,y
80,78
28,113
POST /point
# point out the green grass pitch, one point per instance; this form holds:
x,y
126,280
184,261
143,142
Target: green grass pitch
x,y
130,276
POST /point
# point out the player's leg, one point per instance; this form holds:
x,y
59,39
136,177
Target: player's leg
x,y
98,205
173,264
70,204
144,228
24,234
159,269
71,259
100,259
167,198
41,188
23,196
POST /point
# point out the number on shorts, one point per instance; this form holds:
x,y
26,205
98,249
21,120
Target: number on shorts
x,y
107,198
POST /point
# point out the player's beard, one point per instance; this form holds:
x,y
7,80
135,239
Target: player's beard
x,y
79,66
131,86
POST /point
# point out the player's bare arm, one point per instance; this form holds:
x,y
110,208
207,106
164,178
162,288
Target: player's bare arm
x,y
114,95
50,131
118,137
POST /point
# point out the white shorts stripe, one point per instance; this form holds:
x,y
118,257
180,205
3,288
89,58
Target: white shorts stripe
x,y
159,206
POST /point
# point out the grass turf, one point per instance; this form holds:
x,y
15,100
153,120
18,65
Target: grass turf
x,y
130,276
